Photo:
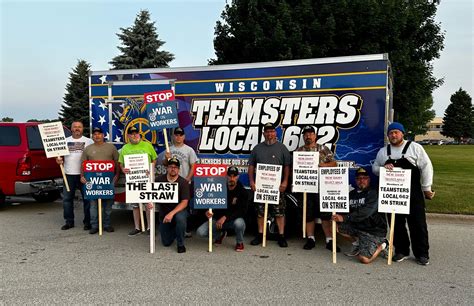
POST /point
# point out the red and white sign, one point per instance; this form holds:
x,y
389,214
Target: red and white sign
x,y
159,96
210,170
98,166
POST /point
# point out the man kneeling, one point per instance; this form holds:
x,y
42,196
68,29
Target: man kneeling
x,y
364,226
233,216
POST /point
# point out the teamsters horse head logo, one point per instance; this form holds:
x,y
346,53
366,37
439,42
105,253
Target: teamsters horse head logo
x,y
134,114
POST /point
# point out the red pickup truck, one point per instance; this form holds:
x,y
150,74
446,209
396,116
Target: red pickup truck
x,y
24,168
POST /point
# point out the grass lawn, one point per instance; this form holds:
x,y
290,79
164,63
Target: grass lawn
x,y
453,179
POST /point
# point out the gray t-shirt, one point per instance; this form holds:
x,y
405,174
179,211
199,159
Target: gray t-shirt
x,y
186,156
274,154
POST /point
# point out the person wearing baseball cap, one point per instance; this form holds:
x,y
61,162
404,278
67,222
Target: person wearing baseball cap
x,y
271,151
409,155
231,218
363,225
135,145
326,159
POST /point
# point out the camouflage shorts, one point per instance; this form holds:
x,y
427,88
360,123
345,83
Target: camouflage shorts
x,y
368,243
275,210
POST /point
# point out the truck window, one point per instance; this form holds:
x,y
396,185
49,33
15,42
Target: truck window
x,y
9,136
34,138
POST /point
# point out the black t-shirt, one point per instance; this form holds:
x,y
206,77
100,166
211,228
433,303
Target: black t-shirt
x,y
183,194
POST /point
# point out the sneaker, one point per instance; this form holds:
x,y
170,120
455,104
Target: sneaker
x,y
87,227
66,227
93,231
354,251
329,247
422,261
135,232
239,247
310,243
188,235
282,241
384,252
221,237
109,229
257,240
399,257
181,249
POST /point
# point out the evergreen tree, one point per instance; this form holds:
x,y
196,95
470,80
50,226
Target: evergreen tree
x,y
268,30
140,46
459,116
76,100
7,119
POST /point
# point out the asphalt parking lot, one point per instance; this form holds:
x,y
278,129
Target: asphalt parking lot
x,y
42,264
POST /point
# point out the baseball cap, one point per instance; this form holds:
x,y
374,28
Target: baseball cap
x,y
396,126
233,170
173,161
361,172
97,130
308,129
178,131
268,126
132,130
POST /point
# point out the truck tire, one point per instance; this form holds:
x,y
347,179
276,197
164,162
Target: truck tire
x,y
47,196
2,199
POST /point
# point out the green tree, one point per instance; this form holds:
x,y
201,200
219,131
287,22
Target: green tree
x,y
459,116
267,30
7,119
75,104
140,46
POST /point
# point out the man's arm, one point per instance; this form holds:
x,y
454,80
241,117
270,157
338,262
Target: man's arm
x,y
251,173
286,175
181,206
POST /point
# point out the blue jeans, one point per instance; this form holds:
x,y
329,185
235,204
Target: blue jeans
x,y
74,182
238,225
106,212
174,230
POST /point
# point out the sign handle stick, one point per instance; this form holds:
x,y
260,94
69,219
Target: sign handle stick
x,y
210,231
165,135
333,239
152,215
265,216
100,216
142,221
64,178
304,213
390,243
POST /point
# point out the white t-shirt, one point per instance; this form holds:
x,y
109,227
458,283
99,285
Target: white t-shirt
x,y
72,162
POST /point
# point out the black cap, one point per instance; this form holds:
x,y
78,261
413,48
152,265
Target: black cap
x,y
178,131
233,170
308,129
97,130
361,172
268,126
173,161
132,129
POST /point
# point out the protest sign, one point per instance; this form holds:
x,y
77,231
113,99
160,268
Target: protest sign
x,y
152,192
210,187
394,191
100,179
161,110
334,189
267,184
305,171
54,141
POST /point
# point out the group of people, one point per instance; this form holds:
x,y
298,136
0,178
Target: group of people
x,y
364,226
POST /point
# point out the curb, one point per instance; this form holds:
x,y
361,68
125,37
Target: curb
x,y
451,217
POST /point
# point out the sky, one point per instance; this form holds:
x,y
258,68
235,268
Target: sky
x,y
41,42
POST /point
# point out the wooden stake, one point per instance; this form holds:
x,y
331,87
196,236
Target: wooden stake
x,y
265,216
165,135
100,216
152,229
390,242
304,213
142,221
210,231
334,239
64,177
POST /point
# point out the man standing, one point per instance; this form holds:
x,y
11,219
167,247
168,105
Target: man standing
x,y
364,226
172,216
326,159
135,145
72,166
100,150
271,151
409,155
231,218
